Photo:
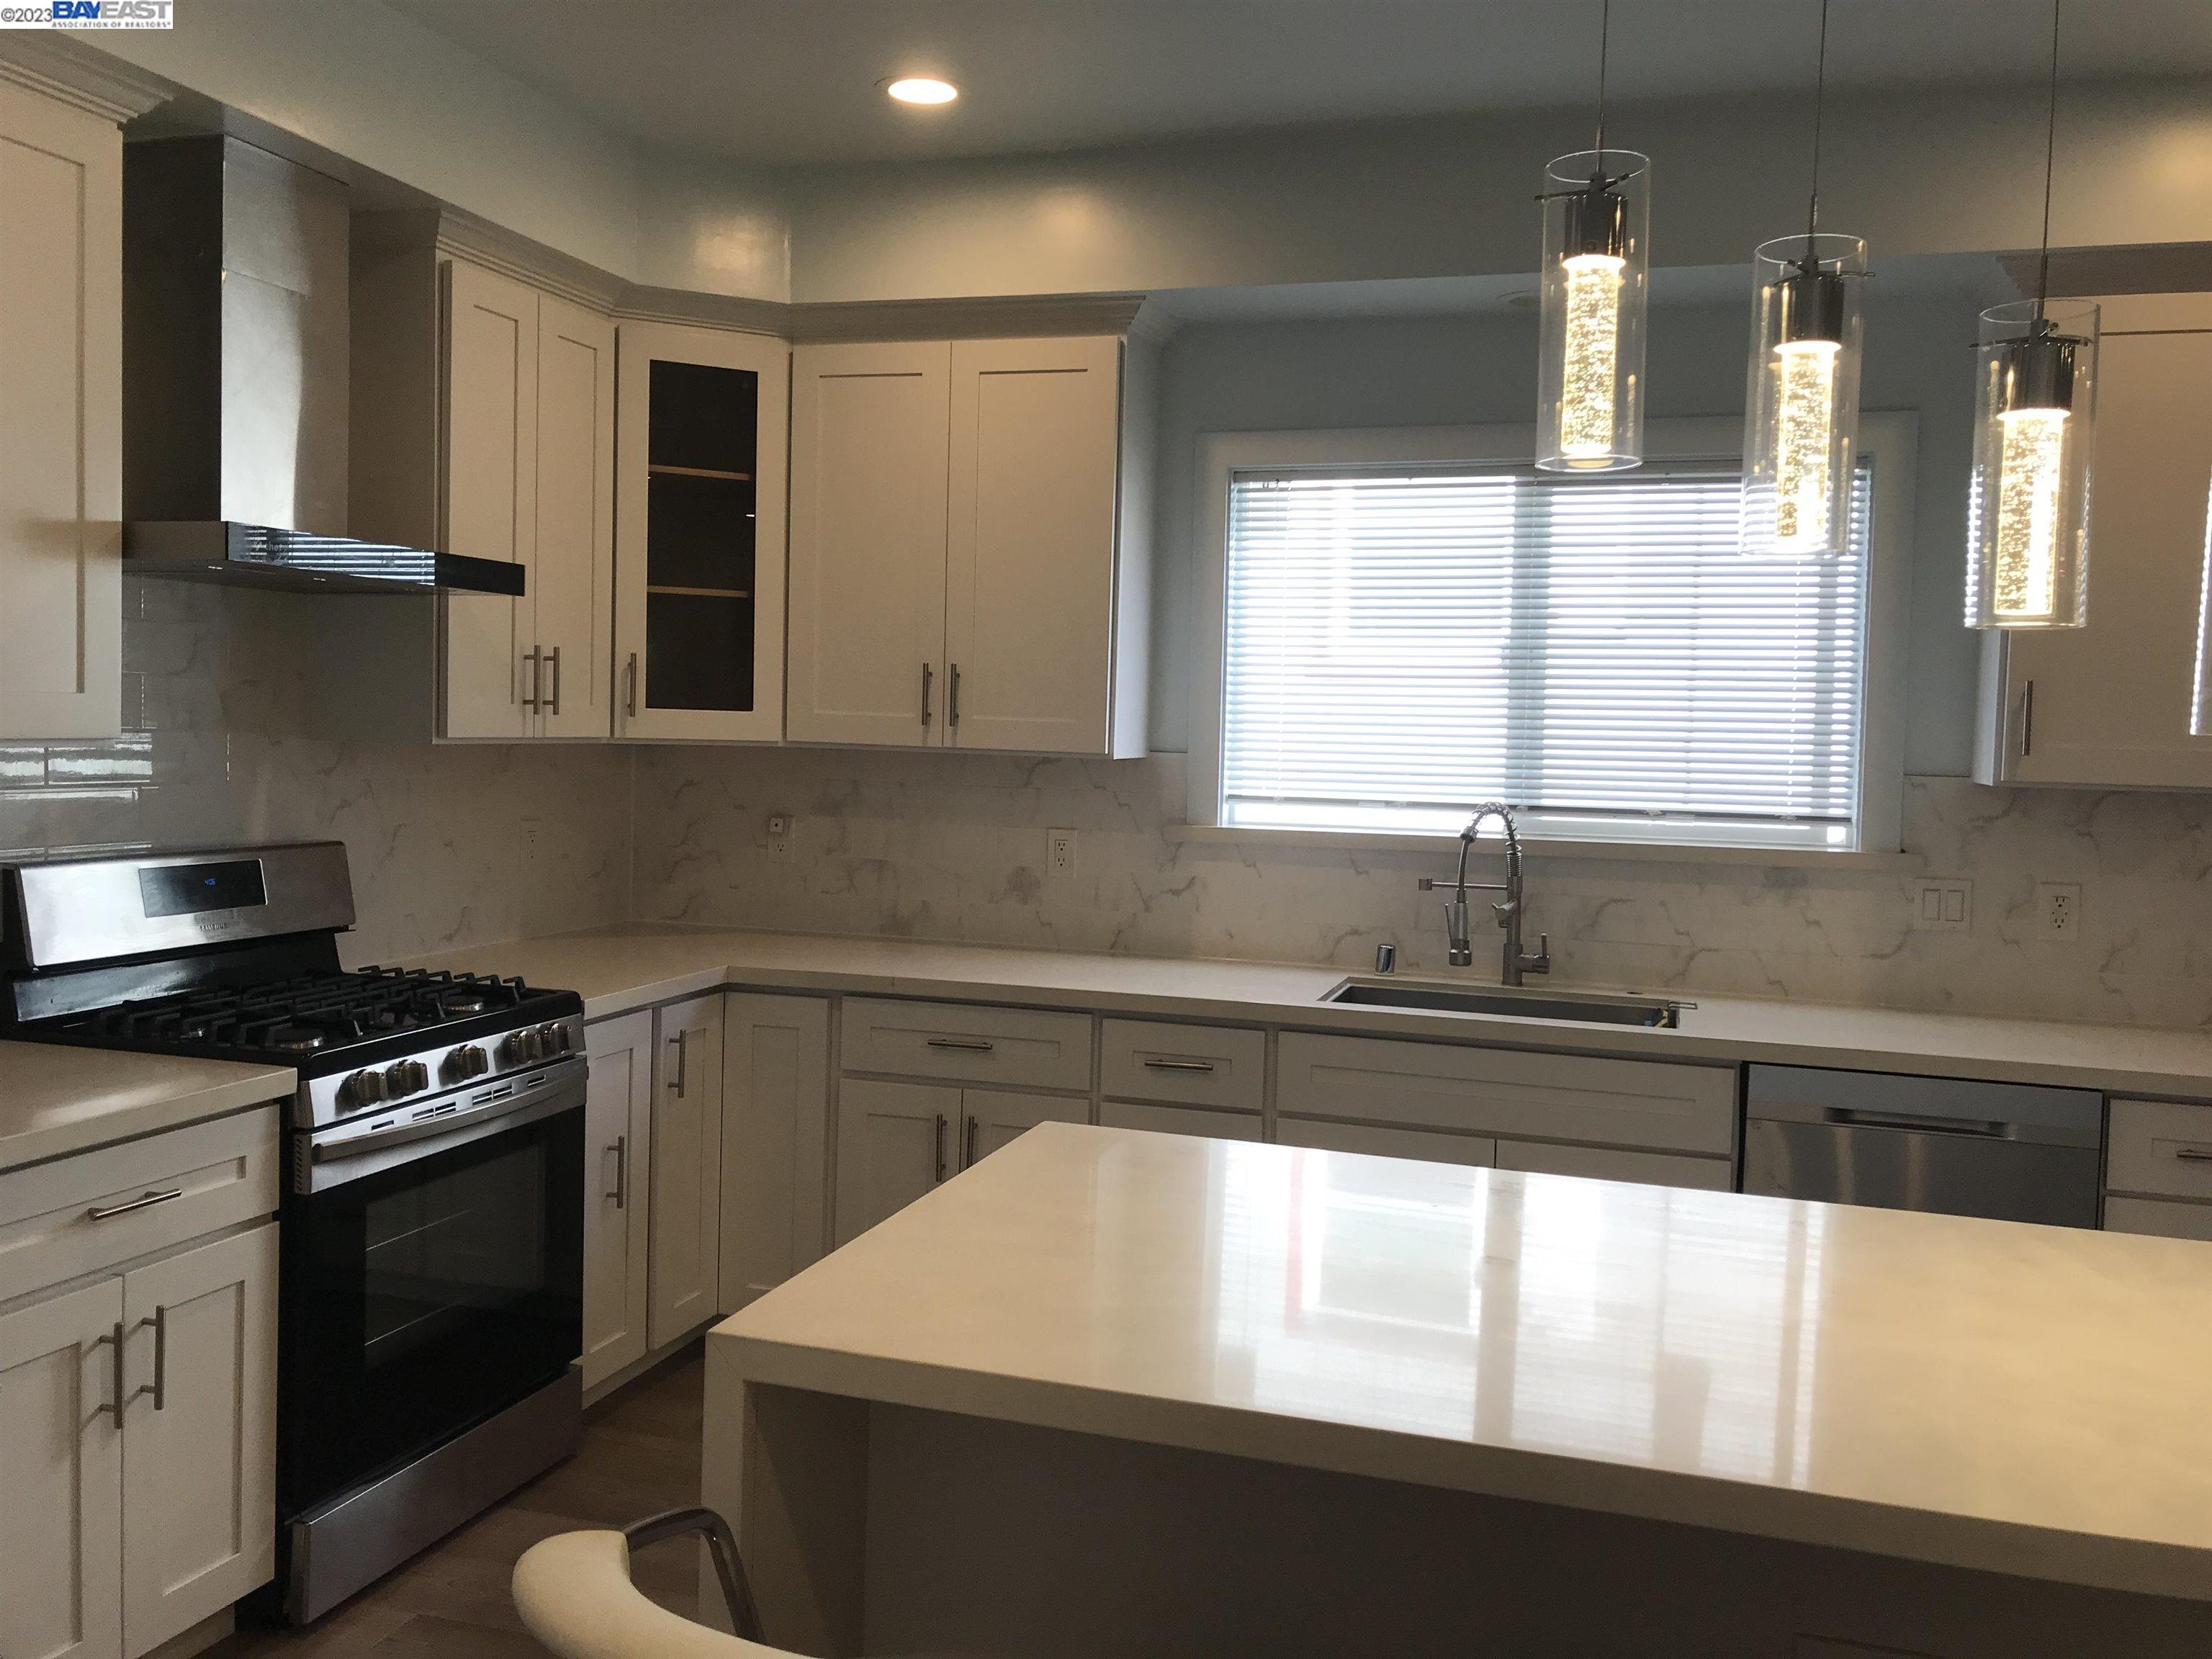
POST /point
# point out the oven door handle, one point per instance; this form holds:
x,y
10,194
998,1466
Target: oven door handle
x,y
557,1088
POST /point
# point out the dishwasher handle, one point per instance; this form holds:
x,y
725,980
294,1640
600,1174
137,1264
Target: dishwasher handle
x,y
1850,1117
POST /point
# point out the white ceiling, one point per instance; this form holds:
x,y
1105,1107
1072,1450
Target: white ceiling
x,y
793,82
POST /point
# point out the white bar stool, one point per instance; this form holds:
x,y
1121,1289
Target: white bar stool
x,y
574,1591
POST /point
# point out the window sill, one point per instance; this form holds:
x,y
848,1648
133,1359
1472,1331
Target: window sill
x,y
1637,852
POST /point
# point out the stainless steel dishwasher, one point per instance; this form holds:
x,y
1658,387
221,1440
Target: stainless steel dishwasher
x,y
2015,1151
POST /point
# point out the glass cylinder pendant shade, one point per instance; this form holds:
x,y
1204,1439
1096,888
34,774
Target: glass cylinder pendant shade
x,y
1801,433
1597,216
2027,513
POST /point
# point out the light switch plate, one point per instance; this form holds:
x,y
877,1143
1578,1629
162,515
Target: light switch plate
x,y
2058,911
1943,905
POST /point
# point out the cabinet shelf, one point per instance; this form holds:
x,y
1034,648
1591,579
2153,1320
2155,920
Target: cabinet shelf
x,y
700,593
668,472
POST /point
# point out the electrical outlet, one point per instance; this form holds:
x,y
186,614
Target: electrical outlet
x,y
779,836
2058,911
529,829
1059,852
1943,905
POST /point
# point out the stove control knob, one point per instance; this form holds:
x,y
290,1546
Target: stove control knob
x,y
406,1077
362,1089
522,1047
464,1062
556,1039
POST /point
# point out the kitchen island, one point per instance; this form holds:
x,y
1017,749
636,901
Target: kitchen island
x,y
1116,1393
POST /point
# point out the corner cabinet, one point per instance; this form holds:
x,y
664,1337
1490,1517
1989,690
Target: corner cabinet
x,y
2108,705
699,543
61,396
990,499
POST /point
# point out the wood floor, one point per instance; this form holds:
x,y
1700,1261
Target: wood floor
x,y
641,1454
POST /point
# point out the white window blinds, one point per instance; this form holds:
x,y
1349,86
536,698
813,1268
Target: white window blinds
x,y
1595,651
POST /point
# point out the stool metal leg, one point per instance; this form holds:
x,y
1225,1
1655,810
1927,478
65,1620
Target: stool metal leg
x,y
722,1545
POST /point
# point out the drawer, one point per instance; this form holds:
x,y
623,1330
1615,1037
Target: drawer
x,y
1430,1147
1180,1120
2160,1147
223,1172
2160,1217
1714,1174
1023,1048
1652,1104
1211,1065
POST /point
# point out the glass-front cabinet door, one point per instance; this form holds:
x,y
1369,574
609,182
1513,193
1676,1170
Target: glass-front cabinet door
x,y
699,537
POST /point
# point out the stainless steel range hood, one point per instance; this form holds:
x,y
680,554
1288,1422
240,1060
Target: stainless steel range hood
x,y
235,328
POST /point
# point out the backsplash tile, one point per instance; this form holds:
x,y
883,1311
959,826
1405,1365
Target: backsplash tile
x,y
215,685
952,847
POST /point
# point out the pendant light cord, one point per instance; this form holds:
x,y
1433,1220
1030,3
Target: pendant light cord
x,y
2049,167
1820,105
1604,40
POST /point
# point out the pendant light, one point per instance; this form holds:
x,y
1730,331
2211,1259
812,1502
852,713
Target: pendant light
x,y
1801,405
2028,511
1597,216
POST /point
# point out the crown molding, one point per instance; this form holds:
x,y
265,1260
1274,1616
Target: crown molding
x,y
2144,267
1013,317
641,304
75,74
483,243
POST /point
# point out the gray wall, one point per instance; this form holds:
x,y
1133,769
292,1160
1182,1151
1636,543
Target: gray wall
x,y
1447,370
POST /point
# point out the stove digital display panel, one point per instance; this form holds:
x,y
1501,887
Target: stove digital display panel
x,y
186,889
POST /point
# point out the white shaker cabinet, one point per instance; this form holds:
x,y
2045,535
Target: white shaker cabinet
x,y
2108,705
775,1131
61,1477
617,1149
969,554
572,609
687,1168
199,1457
699,540
61,447
895,1141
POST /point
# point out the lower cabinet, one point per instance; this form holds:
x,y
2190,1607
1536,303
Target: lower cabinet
x,y
617,1152
897,1140
1381,1141
776,1140
137,1436
686,1246
1180,1120
1611,1164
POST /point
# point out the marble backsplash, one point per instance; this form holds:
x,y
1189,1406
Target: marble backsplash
x,y
952,846
450,845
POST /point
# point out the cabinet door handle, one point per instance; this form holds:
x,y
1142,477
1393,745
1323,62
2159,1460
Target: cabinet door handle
x,y
629,697
159,1386
940,1146
2026,720
143,1201
967,1152
2194,1154
536,665
112,1405
621,1194
1179,1065
682,1060
969,1045
553,661
952,698
928,675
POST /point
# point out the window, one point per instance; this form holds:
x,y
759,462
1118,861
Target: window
x,y
1401,641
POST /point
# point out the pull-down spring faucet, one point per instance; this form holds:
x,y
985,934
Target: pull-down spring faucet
x,y
1516,963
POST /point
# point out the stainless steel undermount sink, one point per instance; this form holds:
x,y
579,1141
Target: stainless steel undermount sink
x,y
1431,998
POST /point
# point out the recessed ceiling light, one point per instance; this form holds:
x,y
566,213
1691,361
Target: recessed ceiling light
x,y
921,89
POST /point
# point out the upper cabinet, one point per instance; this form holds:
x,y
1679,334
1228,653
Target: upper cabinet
x,y
700,543
967,555
2108,705
484,424
61,445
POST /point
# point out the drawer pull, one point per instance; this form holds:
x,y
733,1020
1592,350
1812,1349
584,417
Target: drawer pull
x,y
969,1045
143,1201
1180,1065
2194,1154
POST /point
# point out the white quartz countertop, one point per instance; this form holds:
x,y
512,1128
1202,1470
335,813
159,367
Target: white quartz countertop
x,y
1990,1394
620,969
56,1100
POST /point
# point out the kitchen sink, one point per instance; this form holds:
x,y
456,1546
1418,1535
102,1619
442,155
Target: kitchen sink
x,y
1501,1000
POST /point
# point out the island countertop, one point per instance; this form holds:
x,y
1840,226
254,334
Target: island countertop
x,y
2016,1398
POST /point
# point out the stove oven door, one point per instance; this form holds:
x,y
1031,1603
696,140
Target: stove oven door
x,y
429,1282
